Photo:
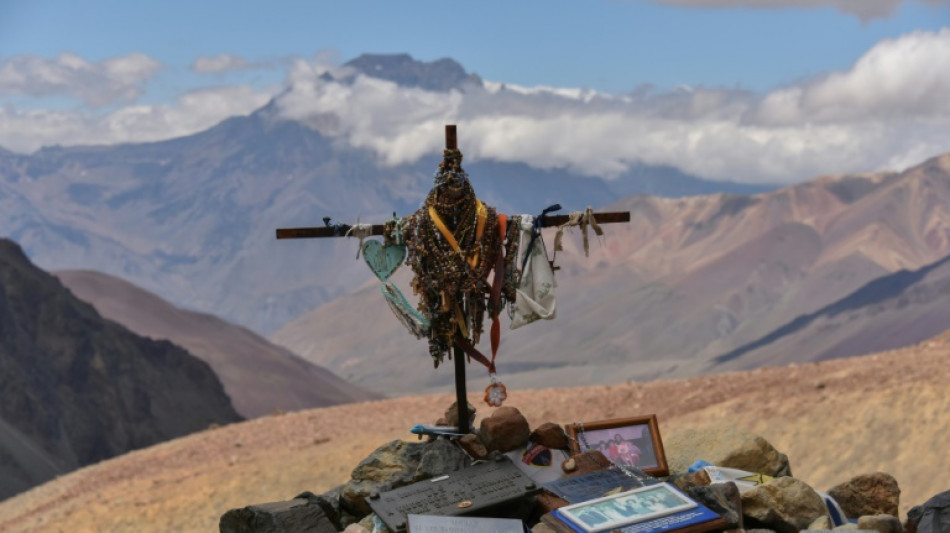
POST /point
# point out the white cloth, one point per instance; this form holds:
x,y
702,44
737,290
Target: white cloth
x,y
535,298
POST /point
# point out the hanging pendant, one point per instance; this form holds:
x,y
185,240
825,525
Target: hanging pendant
x,y
495,392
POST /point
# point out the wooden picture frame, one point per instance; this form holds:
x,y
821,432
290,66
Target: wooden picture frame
x,y
615,437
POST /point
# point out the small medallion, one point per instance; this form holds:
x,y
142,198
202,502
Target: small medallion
x,y
495,393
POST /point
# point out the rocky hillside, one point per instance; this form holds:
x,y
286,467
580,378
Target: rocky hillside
x,y
78,389
259,377
833,419
691,279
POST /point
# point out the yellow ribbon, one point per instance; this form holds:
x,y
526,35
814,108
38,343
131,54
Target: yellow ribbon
x,y
481,216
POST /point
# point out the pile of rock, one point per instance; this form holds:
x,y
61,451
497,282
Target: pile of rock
x,y
783,504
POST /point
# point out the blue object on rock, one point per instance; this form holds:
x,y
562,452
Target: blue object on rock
x,y
698,465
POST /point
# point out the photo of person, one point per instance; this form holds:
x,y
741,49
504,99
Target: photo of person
x,y
626,446
626,508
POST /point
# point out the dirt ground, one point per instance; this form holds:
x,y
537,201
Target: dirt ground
x,y
836,419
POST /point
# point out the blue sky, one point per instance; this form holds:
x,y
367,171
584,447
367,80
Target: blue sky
x,y
118,70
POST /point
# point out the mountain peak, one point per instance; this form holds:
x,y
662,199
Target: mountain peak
x,y
440,75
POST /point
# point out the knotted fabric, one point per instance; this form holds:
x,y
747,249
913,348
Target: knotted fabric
x,y
582,219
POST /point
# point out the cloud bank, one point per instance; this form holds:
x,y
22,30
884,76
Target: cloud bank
x,y
888,110
119,79
27,130
866,10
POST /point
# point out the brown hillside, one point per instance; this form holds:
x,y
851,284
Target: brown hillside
x,y
260,377
834,419
685,281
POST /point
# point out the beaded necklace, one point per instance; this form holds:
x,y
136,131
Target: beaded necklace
x,y
453,244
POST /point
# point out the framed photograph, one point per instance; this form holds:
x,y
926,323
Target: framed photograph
x,y
626,508
624,441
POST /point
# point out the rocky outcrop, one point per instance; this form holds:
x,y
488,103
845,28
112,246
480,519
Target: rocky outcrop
x,y
725,446
77,389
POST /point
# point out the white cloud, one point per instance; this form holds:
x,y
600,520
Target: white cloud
x,y
28,130
889,110
866,10
897,78
219,63
117,79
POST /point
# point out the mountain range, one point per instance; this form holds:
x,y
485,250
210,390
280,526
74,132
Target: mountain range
x,y
78,389
192,219
840,265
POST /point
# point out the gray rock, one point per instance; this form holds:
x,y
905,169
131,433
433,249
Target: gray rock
x,y
868,494
329,502
882,523
784,504
375,526
392,465
441,456
725,446
931,517
723,499
277,517
505,430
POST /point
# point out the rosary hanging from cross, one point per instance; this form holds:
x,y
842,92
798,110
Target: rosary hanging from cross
x,y
453,243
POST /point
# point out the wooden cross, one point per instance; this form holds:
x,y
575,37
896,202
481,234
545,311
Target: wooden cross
x,y
340,230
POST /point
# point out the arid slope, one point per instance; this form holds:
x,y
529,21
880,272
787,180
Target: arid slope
x,y
834,419
260,377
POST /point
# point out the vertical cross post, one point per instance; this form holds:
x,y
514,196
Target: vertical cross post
x,y
461,397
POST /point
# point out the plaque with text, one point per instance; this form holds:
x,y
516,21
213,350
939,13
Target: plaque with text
x,y
492,488
463,524
598,484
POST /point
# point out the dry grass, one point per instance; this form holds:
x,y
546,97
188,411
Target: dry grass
x,y
834,419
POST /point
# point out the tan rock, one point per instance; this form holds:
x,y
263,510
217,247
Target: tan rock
x,y
541,527
587,462
356,528
868,494
785,505
725,446
822,523
882,523
451,415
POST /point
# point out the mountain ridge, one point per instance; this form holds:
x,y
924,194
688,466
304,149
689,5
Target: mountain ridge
x,y
78,388
259,377
186,217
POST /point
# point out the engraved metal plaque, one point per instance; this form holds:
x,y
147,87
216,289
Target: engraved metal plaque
x,y
597,484
463,524
492,488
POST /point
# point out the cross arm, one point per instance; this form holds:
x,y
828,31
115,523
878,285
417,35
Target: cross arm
x,y
339,230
